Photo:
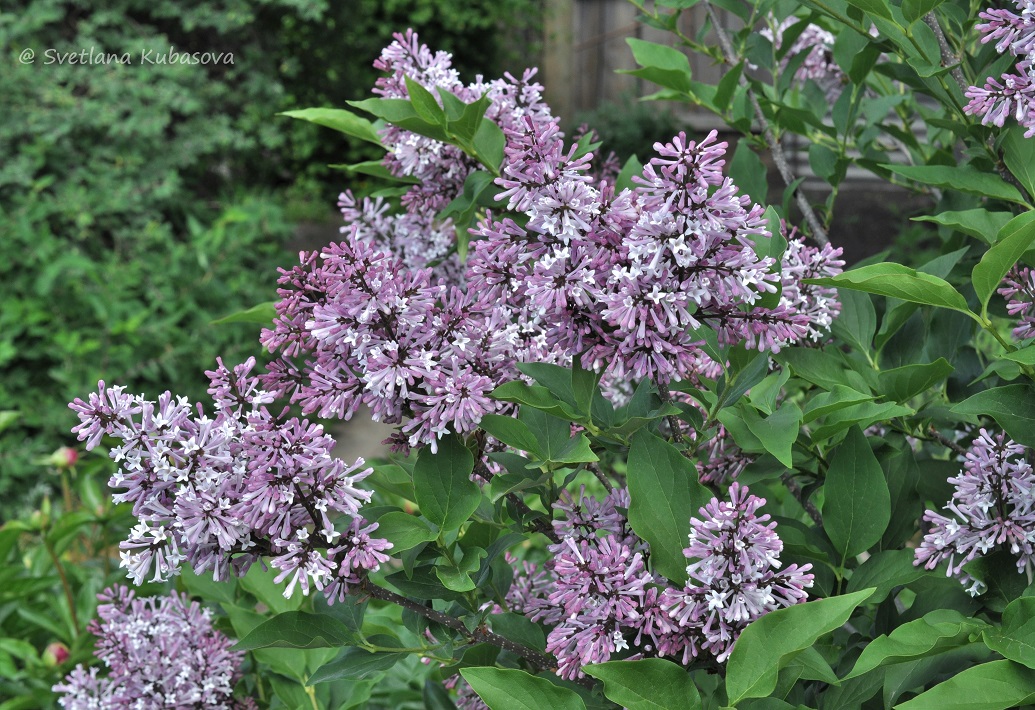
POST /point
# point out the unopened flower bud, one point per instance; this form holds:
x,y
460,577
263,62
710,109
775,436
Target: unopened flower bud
x,y
55,654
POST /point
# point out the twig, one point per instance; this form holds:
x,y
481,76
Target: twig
x,y
595,470
784,168
673,422
946,442
953,61
799,495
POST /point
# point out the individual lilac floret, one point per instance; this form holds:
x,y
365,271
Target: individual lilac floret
x,y
220,492
992,507
1014,93
1019,291
818,46
734,573
161,652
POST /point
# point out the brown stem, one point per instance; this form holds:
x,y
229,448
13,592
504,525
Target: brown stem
x,y
953,60
782,166
673,422
799,495
946,442
595,470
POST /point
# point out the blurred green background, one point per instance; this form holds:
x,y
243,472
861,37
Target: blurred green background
x,y
140,202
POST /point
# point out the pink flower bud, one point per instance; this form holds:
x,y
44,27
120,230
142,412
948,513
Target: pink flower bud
x,y
55,654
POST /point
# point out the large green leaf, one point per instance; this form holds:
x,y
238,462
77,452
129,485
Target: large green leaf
x,y
340,120
935,633
1013,406
506,689
648,684
771,642
355,664
664,494
777,432
963,178
903,383
298,629
874,7
856,501
884,571
442,484
898,281
998,685
1019,155
404,531
1013,240
660,64
981,223
1015,639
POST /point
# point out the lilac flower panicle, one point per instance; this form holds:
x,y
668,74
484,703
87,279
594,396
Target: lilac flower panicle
x,y
391,319
992,507
1019,291
221,491
817,45
1013,94
160,652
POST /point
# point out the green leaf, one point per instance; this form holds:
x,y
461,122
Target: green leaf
x,y
981,223
648,684
457,578
884,571
466,126
898,281
878,8
404,531
1012,406
633,167
1015,639
442,484
856,501
778,432
535,396
512,432
298,629
903,383
913,10
259,583
1025,356
660,64
858,320
506,689
769,643
962,177
664,494
862,414
375,168
355,664
1013,240
488,145
998,685
1019,155
839,397
424,102
340,120
936,632
748,172
263,313
518,627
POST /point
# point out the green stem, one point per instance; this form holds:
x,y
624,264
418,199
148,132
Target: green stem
x,y
64,582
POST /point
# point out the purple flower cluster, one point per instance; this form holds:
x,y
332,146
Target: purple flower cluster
x,y
1019,291
222,491
992,507
1013,94
601,600
161,652
391,320
818,47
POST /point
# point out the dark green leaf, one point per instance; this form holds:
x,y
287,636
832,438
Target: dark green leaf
x,y
899,281
1015,639
769,643
505,689
857,321
998,685
442,484
1013,406
424,102
298,629
884,571
981,223
748,172
778,432
856,503
665,494
878,8
903,383
511,432
1013,240
488,145
661,64
340,120
839,397
1019,154
913,10
963,178
648,684
355,664
404,531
